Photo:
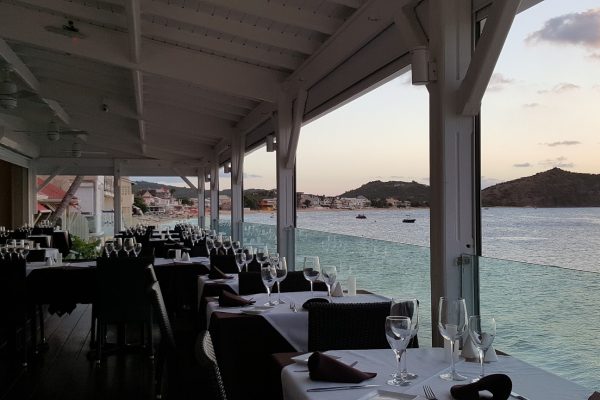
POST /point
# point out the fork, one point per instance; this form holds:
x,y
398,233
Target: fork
x,y
429,393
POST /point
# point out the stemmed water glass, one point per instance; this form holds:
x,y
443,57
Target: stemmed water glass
x,y
118,245
236,245
210,245
398,332
109,247
218,242
226,243
25,251
311,270
249,253
137,249
240,260
129,246
268,275
281,269
482,330
329,275
262,255
410,308
452,323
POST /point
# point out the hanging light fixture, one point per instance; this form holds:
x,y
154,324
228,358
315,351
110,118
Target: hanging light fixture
x,y
271,145
8,91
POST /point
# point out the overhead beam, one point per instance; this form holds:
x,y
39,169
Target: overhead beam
x,y
49,179
106,46
347,3
486,55
294,16
185,179
129,166
297,116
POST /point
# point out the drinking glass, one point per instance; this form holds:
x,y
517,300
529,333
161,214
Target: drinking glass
x,y
118,245
281,269
25,251
226,243
262,255
452,323
210,245
240,260
398,331
268,275
311,270
129,246
236,245
482,330
407,307
329,275
218,241
109,247
137,249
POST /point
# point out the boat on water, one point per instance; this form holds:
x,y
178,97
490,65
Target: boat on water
x,y
409,220
361,216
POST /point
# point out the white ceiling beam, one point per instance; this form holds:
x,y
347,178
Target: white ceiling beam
x,y
192,16
222,146
196,104
132,10
107,46
47,181
12,59
348,3
129,166
82,12
294,16
240,50
184,178
297,116
256,117
483,62
192,109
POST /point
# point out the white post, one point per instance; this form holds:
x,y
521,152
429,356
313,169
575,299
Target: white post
x,y
214,195
237,186
117,198
201,209
451,151
32,192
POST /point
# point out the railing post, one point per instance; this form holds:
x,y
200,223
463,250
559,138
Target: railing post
x,y
237,185
214,195
117,198
200,194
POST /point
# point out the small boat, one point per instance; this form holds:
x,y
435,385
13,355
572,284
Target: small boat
x,y
409,220
361,216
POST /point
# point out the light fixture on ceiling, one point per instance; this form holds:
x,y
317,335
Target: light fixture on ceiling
x,y
227,168
419,59
207,178
8,91
271,144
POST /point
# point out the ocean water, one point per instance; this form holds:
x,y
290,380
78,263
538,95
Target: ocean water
x,y
539,275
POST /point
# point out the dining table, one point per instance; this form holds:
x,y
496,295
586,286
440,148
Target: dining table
x,y
528,381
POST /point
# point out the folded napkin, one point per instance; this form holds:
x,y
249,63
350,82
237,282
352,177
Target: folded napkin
x,y
227,299
216,273
337,290
321,367
469,351
595,396
499,385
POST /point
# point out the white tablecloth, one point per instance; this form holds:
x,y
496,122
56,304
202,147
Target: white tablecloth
x,y
428,363
42,264
293,326
164,261
233,283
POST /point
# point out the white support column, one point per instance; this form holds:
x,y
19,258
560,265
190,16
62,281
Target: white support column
x,y
118,220
201,208
32,192
214,195
289,121
237,186
451,152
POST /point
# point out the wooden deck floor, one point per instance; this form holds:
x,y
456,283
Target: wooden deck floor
x,y
64,371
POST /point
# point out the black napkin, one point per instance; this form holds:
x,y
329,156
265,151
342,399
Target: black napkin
x,y
227,299
308,302
216,273
499,385
324,368
595,396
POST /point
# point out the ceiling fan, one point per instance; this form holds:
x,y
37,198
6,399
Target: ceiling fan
x,y
9,91
55,132
77,152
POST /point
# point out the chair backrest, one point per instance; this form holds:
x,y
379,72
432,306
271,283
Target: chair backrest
x,y
158,303
225,263
347,326
122,285
36,255
12,289
250,283
205,355
295,282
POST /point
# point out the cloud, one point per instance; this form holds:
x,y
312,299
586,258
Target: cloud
x,y
252,176
558,162
579,29
562,143
522,165
561,88
531,105
498,82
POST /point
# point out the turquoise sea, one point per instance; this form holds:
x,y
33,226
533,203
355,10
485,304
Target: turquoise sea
x,y
539,274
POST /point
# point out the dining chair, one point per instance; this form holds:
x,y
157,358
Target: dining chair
x,y
205,354
347,326
13,304
225,263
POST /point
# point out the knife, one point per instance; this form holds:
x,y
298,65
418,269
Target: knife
x,y
518,396
332,388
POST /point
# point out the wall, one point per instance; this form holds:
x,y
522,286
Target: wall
x,y
5,194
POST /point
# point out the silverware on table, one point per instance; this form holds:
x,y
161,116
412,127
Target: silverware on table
x,y
332,388
518,396
429,393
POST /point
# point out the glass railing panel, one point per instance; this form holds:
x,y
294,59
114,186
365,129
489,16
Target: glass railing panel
x,y
225,227
387,268
547,316
260,235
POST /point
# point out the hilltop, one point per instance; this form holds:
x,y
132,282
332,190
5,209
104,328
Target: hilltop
x,y
414,192
552,188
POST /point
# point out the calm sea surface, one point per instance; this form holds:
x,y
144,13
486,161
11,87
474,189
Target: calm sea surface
x,y
546,300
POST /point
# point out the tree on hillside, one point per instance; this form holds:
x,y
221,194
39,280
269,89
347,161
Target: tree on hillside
x,y
139,202
186,202
250,202
307,203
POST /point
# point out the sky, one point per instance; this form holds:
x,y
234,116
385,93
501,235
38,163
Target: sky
x,y
541,110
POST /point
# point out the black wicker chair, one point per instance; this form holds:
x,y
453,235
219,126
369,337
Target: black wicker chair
x,y
13,300
349,326
205,354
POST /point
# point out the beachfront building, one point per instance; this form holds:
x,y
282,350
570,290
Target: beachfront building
x,y
189,88
268,205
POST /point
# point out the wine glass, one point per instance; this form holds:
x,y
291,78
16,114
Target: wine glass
x,y
452,323
109,247
25,251
236,245
329,275
262,255
240,260
210,245
398,332
129,246
118,245
410,308
249,252
268,275
226,243
281,270
482,330
311,270
218,241
137,249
